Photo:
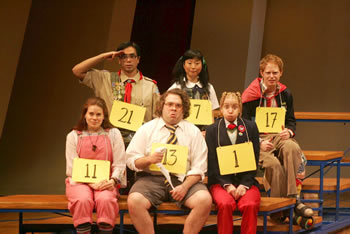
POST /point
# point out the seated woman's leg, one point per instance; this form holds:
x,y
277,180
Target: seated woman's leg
x,y
249,205
107,209
80,202
226,204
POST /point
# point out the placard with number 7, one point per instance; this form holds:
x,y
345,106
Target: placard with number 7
x,y
201,112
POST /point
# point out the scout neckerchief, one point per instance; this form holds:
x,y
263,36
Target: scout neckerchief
x,y
118,92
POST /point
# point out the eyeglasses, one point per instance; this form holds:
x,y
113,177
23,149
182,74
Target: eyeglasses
x,y
171,105
126,56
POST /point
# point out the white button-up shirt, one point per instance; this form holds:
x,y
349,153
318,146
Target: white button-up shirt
x,y
155,131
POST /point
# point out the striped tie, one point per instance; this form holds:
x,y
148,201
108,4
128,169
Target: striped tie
x,y
172,139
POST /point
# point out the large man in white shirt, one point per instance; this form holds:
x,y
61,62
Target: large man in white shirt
x,y
151,188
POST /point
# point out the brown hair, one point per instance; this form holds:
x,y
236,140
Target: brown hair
x,y
185,102
237,95
82,125
271,58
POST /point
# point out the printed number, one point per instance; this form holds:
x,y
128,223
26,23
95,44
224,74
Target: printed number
x,y
199,107
87,171
165,162
236,159
273,120
124,116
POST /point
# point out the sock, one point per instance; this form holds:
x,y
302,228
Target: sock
x,y
105,228
84,228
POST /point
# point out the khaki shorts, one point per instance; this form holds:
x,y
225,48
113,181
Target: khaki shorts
x,y
157,190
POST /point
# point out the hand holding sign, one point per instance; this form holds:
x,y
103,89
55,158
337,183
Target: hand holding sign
x,y
164,171
270,119
285,133
174,159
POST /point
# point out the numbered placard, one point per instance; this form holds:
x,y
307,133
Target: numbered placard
x,y
90,170
236,158
126,115
270,119
201,112
174,159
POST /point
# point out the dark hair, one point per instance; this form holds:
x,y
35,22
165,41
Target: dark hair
x,y
184,98
179,72
82,125
127,44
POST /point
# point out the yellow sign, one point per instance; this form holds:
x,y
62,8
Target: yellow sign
x,y
126,115
270,119
90,170
174,159
236,158
201,112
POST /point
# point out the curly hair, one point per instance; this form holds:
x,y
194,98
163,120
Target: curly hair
x,y
184,98
236,95
82,125
271,58
179,71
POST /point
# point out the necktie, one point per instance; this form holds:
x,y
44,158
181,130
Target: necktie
x,y
231,133
231,126
196,92
172,139
128,89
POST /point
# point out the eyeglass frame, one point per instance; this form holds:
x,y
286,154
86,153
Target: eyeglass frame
x,y
130,56
172,104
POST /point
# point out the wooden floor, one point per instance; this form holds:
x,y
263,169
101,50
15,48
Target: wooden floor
x,y
9,221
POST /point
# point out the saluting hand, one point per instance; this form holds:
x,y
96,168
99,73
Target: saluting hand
x,y
112,54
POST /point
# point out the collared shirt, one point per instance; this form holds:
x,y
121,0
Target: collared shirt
x,y
270,95
144,92
231,134
155,132
124,77
273,102
233,137
212,95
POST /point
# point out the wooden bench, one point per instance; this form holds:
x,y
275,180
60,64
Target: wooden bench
x,y
58,203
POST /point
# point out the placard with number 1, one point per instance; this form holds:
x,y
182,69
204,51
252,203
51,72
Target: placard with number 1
x,y
236,158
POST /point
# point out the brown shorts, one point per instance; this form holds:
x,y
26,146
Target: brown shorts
x,y
157,190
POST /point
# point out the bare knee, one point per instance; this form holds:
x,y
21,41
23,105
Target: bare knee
x,y
201,198
136,201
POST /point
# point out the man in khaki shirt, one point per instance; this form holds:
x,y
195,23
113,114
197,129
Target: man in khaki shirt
x,y
128,84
